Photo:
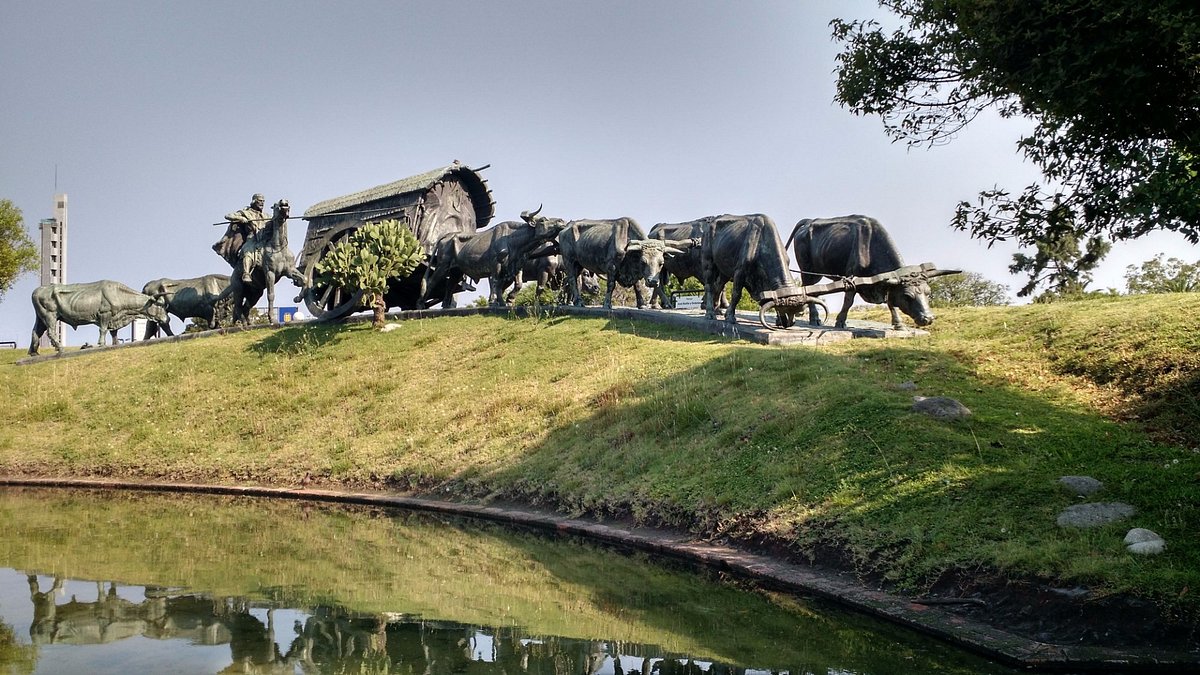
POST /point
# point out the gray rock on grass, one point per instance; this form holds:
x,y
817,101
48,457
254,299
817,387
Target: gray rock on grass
x,y
1094,514
1144,542
1081,485
940,407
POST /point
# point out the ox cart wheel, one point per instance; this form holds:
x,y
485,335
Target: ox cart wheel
x,y
328,302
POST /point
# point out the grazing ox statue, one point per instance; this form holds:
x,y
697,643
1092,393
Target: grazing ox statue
x,y
194,298
617,249
858,246
497,254
747,251
107,304
268,259
685,266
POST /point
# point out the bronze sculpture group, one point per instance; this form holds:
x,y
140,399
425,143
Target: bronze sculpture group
x,y
444,209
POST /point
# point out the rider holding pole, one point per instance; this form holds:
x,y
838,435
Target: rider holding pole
x,y
243,225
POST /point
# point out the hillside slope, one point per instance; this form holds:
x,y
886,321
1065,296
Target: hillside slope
x,y
811,451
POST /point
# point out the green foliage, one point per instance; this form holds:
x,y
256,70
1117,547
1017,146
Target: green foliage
x,y
1112,85
18,253
16,658
1059,264
529,295
969,289
1159,276
372,256
369,258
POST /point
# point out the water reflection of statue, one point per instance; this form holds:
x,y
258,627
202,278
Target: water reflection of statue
x,y
251,644
243,224
44,607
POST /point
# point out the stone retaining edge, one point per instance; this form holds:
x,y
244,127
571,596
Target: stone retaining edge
x,y
1007,648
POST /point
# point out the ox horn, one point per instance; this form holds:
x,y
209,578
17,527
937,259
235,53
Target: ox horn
x,y
940,273
673,251
762,313
634,245
525,215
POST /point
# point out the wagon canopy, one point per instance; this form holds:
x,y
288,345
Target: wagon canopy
x,y
451,198
476,186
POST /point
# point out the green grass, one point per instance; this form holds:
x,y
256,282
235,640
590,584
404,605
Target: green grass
x,y
808,447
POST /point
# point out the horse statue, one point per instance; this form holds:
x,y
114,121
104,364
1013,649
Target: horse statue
x,y
263,259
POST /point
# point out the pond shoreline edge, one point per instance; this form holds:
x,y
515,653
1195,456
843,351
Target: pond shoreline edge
x,y
1004,647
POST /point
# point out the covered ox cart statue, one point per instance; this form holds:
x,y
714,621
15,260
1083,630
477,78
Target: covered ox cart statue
x,y
454,198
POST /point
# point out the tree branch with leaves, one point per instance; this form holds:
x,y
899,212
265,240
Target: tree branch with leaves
x,y
18,253
1113,87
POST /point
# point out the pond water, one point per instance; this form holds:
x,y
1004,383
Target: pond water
x,y
119,582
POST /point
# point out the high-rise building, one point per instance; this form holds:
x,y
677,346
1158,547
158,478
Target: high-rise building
x,y
54,254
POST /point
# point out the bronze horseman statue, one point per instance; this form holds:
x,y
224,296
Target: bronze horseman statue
x,y
243,225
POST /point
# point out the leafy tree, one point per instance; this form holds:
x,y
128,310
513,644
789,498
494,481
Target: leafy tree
x,y
1059,264
1157,276
969,289
18,253
1113,87
369,258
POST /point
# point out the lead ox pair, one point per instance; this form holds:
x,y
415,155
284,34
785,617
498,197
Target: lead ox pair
x,y
747,251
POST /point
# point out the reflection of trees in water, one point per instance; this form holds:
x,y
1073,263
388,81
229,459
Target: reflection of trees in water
x,y
15,658
331,639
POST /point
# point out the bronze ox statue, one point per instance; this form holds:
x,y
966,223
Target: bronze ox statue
x,y
107,304
685,266
617,249
747,251
544,267
497,254
858,246
194,298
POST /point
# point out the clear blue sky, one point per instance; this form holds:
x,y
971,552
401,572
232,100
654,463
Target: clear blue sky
x,y
161,117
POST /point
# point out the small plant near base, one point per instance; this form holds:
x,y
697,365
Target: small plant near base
x,y
369,258
531,296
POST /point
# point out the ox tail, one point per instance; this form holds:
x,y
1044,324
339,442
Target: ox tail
x,y
802,223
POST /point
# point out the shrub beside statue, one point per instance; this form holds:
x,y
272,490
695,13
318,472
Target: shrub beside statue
x,y
369,259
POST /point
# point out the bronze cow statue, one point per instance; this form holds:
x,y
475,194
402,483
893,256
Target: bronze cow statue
x,y
617,249
194,298
107,304
858,246
497,254
747,251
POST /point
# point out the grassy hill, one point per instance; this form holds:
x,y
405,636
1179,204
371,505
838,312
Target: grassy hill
x,y
814,449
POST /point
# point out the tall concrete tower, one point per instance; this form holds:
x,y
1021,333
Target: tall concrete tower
x,y
54,254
